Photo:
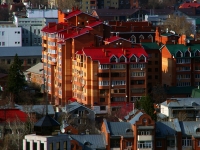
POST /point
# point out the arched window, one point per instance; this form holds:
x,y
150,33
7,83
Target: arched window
x,y
179,54
197,53
133,58
187,54
150,37
198,130
113,59
122,59
142,58
129,130
133,39
141,37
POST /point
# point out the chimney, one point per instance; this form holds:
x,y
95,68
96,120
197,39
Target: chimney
x,y
106,53
125,52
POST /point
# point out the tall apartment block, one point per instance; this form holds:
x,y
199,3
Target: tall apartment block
x,y
180,59
78,67
106,77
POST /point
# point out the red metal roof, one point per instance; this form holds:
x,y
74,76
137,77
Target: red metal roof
x,y
189,5
73,13
12,114
72,99
114,38
75,33
53,28
93,24
99,54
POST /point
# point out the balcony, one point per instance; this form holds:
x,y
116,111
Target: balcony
x,y
145,137
146,149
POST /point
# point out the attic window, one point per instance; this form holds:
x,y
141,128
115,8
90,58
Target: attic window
x,y
122,59
141,37
187,54
87,143
198,130
142,58
179,54
113,59
197,53
129,130
133,59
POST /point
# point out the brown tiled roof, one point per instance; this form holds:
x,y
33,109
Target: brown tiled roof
x,y
116,12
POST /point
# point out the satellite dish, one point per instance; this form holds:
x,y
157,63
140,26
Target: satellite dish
x,y
62,130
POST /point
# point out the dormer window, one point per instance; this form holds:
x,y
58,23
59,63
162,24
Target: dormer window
x,y
133,39
142,58
133,59
129,130
122,59
197,53
141,37
87,143
187,54
113,59
198,130
179,54
150,37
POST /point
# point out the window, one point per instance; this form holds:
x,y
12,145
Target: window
x,y
136,66
158,143
133,39
133,59
2,33
156,69
156,55
102,99
113,59
171,142
8,61
186,141
138,90
118,66
142,59
144,144
187,54
128,143
34,61
2,61
149,77
137,74
102,108
149,69
156,77
103,66
197,53
26,40
156,62
22,40
38,31
103,83
179,54
29,61
34,31
3,43
65,146
122,59
118,82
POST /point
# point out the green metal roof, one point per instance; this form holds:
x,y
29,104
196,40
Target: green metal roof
x,y
198,21
179,90
150,45
195,93
173,49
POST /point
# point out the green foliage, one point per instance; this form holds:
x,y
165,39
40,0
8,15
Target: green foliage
x,y
146,104
16,79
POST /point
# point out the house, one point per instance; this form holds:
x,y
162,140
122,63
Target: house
x,y
28,55
35,75
182,108
138,132
80,117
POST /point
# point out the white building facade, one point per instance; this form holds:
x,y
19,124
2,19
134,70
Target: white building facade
x,y
10,36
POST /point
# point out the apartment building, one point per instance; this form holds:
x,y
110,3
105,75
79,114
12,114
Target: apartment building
x,y
102,77
88,5
10,35
179,107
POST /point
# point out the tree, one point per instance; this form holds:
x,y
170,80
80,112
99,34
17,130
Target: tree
x,y
68,4
179,24
158,94
147,105
16,80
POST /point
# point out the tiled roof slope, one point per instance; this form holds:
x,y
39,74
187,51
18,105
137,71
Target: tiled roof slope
x,y
90,142
189,128
97,54
150,45
46,121
173,49
120,129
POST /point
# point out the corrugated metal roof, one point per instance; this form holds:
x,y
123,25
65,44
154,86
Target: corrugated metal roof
x,y
21,51
46,121
120,129
183,102
136,117
189,128
90,142
165,129
36,68
40,109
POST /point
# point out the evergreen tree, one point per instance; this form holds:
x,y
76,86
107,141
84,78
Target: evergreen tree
x,y
16,80
147,105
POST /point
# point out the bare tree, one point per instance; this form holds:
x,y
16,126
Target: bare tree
x,y
158,94
182,116
179,24
68,4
